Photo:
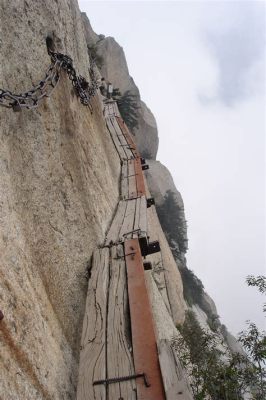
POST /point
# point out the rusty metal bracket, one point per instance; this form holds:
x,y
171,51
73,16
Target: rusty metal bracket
x,y
148,247
144,167
122,379
150,202
147,265
142,160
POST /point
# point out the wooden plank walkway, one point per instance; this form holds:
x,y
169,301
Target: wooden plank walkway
x,y
111,108
132,180
122,139
128,136
92,364
124,180
117,284
120,149
130,221
119,347
106,349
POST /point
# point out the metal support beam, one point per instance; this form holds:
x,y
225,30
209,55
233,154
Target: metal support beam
x,y
143,335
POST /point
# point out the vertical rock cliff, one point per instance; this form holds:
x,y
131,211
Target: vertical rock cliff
x,y
58,191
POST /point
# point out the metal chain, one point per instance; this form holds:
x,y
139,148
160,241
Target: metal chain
x,y
45,87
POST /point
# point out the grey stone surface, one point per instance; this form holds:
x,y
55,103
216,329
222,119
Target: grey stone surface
x,y
58,190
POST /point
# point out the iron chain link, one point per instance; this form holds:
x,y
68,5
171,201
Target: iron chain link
x,y
45,87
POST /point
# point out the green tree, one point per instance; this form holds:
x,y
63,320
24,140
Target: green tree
x,y
171,216
220,374
210,376
254,343
192,286
128,107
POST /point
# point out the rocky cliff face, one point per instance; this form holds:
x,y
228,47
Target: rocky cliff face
x,y
114,69
58,191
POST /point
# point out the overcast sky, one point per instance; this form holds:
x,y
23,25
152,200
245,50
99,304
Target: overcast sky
x,y
200,67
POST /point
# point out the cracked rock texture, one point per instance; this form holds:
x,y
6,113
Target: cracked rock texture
x,y
58,190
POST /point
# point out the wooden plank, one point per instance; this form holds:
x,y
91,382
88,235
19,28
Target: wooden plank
x,y
119,348
120,149
110,108
124,180
175,384
107,110
132,185
123,141
141,190
128,136
116,110
143,225
92,365
159,277
128,222
113,233
143,334
136,222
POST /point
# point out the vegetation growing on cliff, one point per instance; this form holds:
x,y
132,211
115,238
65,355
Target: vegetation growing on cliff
x,y
171,216
214,372
127,104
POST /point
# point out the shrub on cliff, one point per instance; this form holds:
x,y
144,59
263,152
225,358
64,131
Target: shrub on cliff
x,y
222,375
213,374
171,216
127,104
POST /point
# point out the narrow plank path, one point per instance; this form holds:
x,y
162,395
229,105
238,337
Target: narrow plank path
x,y
93,342
117,343
119,357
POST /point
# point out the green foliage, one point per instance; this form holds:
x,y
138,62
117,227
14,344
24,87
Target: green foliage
x,y
260,283
221,375
171,216
210,377
128,107
254,343
116,93
193,290
213,322
192,286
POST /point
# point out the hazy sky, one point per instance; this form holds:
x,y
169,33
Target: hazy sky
x,y
200,67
